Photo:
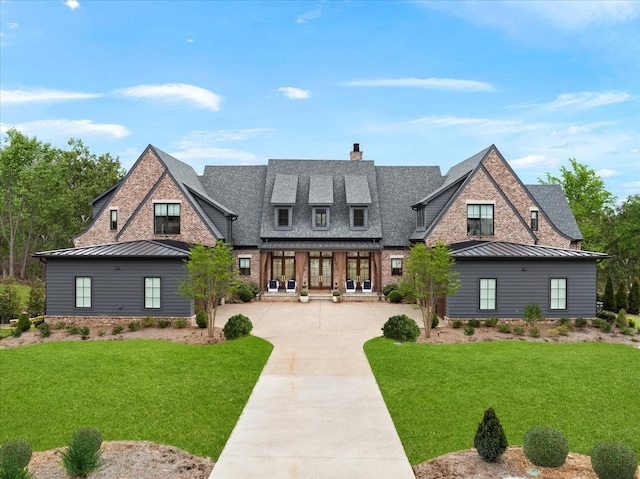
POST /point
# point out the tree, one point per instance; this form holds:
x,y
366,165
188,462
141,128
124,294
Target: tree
x,y
621,297
634,297
588,199
36,304
209,277
430,276
609,299
490,441
623,240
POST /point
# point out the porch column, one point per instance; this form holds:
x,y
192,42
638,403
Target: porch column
x,y
377,271
264,256
301,259
341,259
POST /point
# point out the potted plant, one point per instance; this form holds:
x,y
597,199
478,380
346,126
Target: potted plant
x,y
336,295
304,296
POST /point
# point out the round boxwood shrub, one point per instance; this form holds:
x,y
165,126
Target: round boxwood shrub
x,y
244,292
395,296
613,460
237,326
388,288
201,319
23,323
401,328
545,447
15,455
490,440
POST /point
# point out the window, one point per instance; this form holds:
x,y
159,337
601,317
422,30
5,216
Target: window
x,y
167,218
113,220
479,220
534,220
244,265
359,218
83,292
320,218
283,217
396,266
420,217
488,293
558,293
152,293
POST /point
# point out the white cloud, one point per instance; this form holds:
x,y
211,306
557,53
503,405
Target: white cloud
x,y
72,4
43,96
214,153
189,40
206,137
294,93
305,17
176,92
588,99
576,15
607,173
71,128
12,25
534,161
452,84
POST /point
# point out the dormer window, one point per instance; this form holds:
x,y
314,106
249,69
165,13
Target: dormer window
x,y
167,218
359,218
320,218
283,217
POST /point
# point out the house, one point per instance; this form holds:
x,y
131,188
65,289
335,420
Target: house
x,y
323,223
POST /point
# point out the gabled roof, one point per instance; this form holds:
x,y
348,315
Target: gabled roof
x,y
138,249
321,190
503,250
555,205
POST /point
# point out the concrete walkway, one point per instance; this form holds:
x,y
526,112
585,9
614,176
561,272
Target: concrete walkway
x,y
316,411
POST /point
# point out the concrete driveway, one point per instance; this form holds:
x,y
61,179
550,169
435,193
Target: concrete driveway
x,y
316,411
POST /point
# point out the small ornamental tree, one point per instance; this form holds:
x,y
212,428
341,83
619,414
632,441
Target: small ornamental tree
x,y
430,276
621,297
490,441
608,298
634,297
210,277
532,313
36,304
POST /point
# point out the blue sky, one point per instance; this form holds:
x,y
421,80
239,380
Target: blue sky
x,y
415,83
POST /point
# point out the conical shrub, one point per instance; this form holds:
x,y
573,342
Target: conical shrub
x,y
490,440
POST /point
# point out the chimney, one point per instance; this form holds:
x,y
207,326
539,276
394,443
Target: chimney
x,y
356,154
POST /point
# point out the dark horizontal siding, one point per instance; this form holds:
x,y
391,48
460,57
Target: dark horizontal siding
x,y
117,286
98,205
517,287
434,207
217,217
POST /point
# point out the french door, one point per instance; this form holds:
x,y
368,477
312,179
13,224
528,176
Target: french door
x,y
320,270
283,266
358,266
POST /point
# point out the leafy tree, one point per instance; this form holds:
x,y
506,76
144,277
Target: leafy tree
x,y
609,299
623,244
10,306
589,201
36,304
634,297
490,441
210,277
621,297
430,276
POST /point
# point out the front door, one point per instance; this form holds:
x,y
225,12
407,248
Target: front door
x,y
283,266
358,266
320,271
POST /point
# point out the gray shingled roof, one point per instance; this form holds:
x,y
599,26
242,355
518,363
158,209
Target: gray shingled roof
x,y
555,205
357,190
339,214
138,249
243,188
320,190
343,245
497,249
285,189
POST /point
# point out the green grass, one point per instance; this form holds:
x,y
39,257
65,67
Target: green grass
x,y
23,292
436,394
188,396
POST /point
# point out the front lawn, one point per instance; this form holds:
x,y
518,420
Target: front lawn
x,y
188,396
436,394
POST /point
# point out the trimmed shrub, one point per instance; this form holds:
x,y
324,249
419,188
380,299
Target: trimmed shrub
x,y
117,330
621,319
613,460
45,330
490,322
135,325
164,323
36,303
244,292
469,331
15,455
532,313
457,324
535,332
401,328
545,447
490,441
474,323
201,319
82,455
580,322
519,330
395,296
608,316
504,328
237,326
148,322
23,323
434,319
388,288
180,323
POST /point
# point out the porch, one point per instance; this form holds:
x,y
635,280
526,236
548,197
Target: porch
x,y
321,295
